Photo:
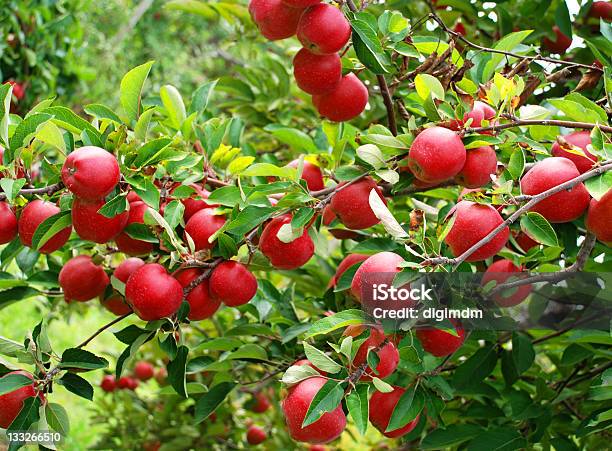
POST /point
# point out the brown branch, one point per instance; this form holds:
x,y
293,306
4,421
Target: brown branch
x,y
590,374
533,200
564,330
102,329
48,190
202,277
521,122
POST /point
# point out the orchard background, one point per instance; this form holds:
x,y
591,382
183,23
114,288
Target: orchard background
x,y
177,133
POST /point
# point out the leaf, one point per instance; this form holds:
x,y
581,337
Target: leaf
x,y
12,382
298,373
507,43
248,352
11,188
149,153
294,138
69,120
82,359
381,385
539,229
209,402
358,407
476,368
77,385
516,166
600,185
371,154
368,47
51,227
57,418
248,219
270,170
450,436
173,102
28,415
426,84
6,91
25,129
173,213
115,206
50,133
100,111
320,360
331,323
327,399
563,19
386,217
201,97
407,409
239,164
176,371
523,354
500,439
131,89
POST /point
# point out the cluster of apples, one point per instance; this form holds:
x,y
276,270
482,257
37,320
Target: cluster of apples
x,y
143,371
323,31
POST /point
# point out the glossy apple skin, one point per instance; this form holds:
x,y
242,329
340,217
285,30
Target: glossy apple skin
x,y
152,293
144,371
92,226
295,406
11,403
381,409
601,10
232,283
352,206
525,242
311,174
202,226
274,18
323,29
82,280
500,271
115,303
560,44
388,355
564,206
201,304
256,435
347,101
285,255
579,139
473,222
479,165
317,74
90,173
599,218
439,342
378,268
301,3
8,223
126,243
348,261
437,154
35,214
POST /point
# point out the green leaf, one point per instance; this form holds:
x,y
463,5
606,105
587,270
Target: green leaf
x,y
209,402
452,435
327,399
563,19
12,382
358,407
379,384
11,187
6,91
507,43
500,439
28,415
239,164
176,371
115,206
25,129
407,409
248,352
523,354
600,185
331,323
150,153
82,359
516,166
201,97
298,373
57,418
51,227
248,219
426,84
131,89
173,213
320,360
539,229
173,102
100,111
69,120
270,170
368,47
476,368
50,133
294,138
77,385
371,154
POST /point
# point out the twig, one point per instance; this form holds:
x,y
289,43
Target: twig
x,y
48,190
520,122
590,374
564,330
103,328
202,277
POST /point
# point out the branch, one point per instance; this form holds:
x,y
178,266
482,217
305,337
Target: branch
x,y
533,200
48,190
102,329
520,122
202,277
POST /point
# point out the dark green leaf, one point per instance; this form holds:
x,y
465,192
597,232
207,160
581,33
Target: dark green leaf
x,y
209,402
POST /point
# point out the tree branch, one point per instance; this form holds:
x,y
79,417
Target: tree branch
x,y
48,190
102,329
520,122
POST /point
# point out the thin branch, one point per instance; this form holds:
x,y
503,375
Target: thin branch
x,y
48,190
591,374
202,277
103,328
521,122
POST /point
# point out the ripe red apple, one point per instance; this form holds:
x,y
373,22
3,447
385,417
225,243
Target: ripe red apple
x,y
347,101
579,139
439,342
91,225
127,383
274,18
323,29
285,255
18,89
161,375
525,242
256,435
317,74
11,403
601,10
144,370
311,174
564,206
348,261
108,383
133,197
260,403
126,243
480,164
599,218
388,355
201,304
351,204
8,223
153,293
473,222
560,44
295,406
196,202
90,172
460,28
81,279
500,271
232,283
437,154
382,267
115,303
201,226
381,409
35,214
301,3
480,112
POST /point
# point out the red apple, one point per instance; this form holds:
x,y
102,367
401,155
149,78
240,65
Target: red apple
x,y
81,279
317,74
126,243
323,29
560,44
480,164
8,223
351,204
581,140
285,255
439,342
437,154
382,406
599,218
500,271
152,293
91,225
12,402
256,435
108,383
347,101
388,355
144,371
232,283
90,173
201,304
33,215
311,174
274,18
201,226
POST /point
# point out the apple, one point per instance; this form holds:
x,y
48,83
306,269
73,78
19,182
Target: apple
x,y
201,226
560,44
379,268
126,243
8,223
274,18
201,304
345,102
90,173
144,370
311,174
382,406
439,342
599,218
323,29
348,261
437,154
317,74
351,204
285,255
108,383
500,271
33,215
12,402
82,280
232,283
256,435
580,139
479,165
388,355
92,226
152,293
